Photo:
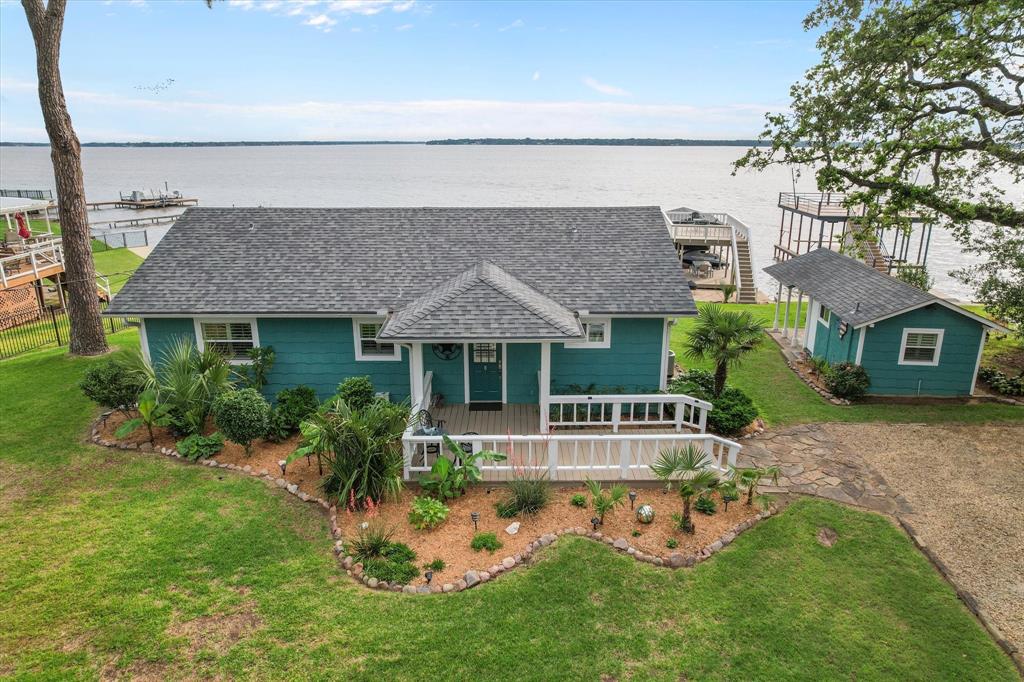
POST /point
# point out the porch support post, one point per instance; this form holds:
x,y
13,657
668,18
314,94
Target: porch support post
x,y
808,321
778,302
416,374
49,229
544,390
796,322
785,322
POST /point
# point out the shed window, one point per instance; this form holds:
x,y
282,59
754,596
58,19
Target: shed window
x,y
367,345
921,346
232,339
597,333
824,314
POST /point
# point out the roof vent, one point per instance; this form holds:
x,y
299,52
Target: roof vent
x,y
574,232
252,227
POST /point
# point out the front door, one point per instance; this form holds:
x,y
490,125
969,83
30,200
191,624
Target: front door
x,y
485,372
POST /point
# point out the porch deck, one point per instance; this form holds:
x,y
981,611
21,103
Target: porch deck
x,y
521,419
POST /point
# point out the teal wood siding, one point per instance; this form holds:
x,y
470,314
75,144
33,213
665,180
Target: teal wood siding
x,y
829,345
959,353
162,331
449,375
523,363
632,364
320,353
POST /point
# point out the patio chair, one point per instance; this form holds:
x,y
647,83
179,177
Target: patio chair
x,y
426,421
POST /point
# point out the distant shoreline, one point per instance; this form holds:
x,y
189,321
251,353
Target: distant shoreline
x,y
489,141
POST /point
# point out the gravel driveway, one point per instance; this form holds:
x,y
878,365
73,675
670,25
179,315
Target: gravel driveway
x,y
965,488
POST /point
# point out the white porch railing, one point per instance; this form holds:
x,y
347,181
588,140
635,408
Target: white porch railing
x,y
35,257
569,457
640,409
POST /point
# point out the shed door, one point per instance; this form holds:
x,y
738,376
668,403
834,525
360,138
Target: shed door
x,y
485,372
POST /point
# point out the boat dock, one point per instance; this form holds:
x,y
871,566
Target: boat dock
x,y
142,203
724,245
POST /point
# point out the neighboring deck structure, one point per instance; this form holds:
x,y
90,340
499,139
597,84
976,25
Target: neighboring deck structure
x,y
26,261
722,235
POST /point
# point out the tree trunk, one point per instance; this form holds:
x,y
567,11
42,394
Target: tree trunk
x,y
721,371
87,337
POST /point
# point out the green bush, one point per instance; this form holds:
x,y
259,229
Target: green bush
x,y
295,404
398,572
112,385
1000,382
381,558
358,392
370,542
435,565
527,494
398,551
733,411
488,541
705,504
427,513
277,428
671,543
242,416
916,277
197,447
578,500
693,381
847,380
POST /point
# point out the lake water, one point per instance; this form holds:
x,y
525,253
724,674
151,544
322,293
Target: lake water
x,y
420,175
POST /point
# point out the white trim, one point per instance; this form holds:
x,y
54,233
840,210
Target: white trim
x,y
504,372
584,342
465,373
921,330
827,321
955,308
144,342
416,372
357,341
666,339
977,363
198,323
860,345
812,329
545,384
366,313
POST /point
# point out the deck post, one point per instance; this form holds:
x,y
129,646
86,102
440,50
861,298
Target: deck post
x,y
544,389
624,453
796,322
778,302
808,321
680,409
552,459
785,322
703,423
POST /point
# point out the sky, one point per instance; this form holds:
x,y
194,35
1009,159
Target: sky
x,y
173,70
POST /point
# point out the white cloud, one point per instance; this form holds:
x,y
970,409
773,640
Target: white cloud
x,y
518,23
403,27
604,88
321,21
536,75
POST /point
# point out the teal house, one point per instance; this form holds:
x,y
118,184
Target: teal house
x,y
487,307
910,342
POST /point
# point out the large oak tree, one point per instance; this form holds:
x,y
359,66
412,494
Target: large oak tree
x,y
917,106
47,23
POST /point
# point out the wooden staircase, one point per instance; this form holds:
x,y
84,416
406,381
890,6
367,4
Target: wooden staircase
x,y
873,256
747,292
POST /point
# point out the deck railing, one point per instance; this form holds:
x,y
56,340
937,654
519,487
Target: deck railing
x,y
570,457
35,257
640,409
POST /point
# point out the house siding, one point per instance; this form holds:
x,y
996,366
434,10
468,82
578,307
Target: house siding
x,y
161,332
959,354
521,372
829,345
449,375
632,364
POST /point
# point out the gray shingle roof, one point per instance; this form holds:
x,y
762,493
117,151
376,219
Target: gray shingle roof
x,y
484,302
858,293
337,261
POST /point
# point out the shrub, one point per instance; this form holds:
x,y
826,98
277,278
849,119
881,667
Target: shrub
x,y
242,416
1000,382
527,494
427,513
605,501
819,366
277,429
357,392
847,380
112,385
671,543
398,572
435,565
151,413
488,541
733,411
578,500
636,533
292,405
727,292
693,381
916,277
196,447
446,480
398,551
705,505
253,374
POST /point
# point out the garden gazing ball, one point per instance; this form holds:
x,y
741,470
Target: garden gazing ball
x,y
645,513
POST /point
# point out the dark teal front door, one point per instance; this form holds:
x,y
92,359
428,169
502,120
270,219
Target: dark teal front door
x,y
484,372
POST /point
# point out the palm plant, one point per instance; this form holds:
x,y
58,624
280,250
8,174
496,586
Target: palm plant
x,y
688,468
151,413
605,501
724,337
748,478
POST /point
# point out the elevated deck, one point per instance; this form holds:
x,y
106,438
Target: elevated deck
x,y
722,235
22,265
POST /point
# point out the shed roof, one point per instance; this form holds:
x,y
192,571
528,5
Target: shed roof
x,y
858,293
12,205
349,261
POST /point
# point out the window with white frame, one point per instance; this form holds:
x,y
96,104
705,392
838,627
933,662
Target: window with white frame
x,y
231,338
921,346
597,333
485,352
824,314
368,347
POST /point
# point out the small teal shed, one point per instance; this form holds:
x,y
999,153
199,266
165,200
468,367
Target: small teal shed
x,y
910,342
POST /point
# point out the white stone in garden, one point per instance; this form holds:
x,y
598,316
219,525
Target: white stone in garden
x,y
513,528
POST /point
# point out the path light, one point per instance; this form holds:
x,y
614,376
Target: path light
x,y
594,521
476,517
428,575
283,464
632,499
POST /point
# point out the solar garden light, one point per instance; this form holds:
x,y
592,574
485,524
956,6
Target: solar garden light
x,y
476,517
632,499
283,464
594,521
428,575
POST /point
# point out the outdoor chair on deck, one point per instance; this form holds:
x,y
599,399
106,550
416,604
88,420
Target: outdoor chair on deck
x,y
428,427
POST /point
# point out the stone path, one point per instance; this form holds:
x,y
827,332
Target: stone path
x,y
813,462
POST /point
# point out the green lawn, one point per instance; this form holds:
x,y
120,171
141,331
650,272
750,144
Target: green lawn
x,y
117,264
121,563
784,399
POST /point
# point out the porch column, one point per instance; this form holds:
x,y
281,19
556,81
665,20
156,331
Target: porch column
x,y
785,322
808,322
778,302
544,378
49,229
416,374
796,322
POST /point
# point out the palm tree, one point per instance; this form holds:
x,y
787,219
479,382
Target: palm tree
x,y
688,467
750,477
724,337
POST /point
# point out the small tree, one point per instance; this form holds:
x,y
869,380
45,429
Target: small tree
x,y
687,467
112,385
242,416
605,501
724,337
151,413
750,477
357,392
727,292
916,277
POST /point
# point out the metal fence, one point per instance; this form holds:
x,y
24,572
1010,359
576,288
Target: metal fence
x,y
39,194
31,329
